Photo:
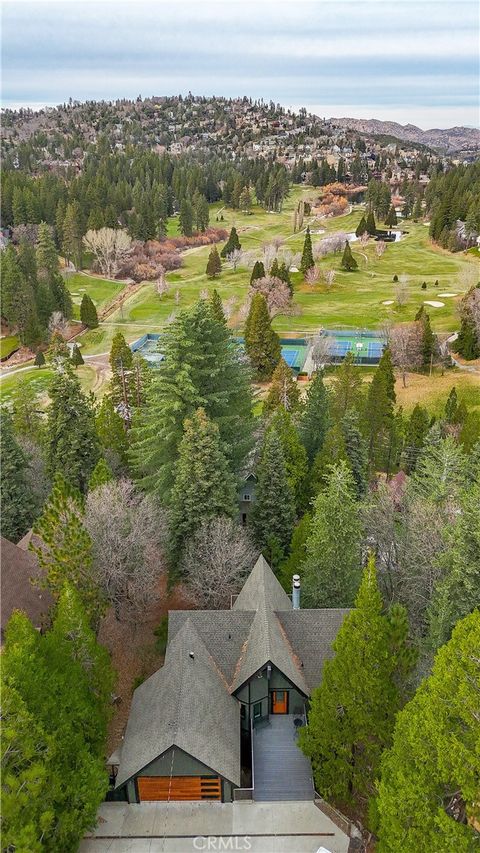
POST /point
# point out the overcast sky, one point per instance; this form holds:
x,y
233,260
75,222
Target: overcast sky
x,y
409,61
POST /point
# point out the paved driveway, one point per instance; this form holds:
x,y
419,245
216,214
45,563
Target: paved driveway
x,y
293,827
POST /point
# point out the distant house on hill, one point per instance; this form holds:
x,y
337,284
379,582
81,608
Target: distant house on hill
x,y
234,682
19,568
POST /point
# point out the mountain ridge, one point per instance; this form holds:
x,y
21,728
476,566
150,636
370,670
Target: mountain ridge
x,y
450,139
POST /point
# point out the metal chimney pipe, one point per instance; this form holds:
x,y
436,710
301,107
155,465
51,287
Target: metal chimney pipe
x,y
296,592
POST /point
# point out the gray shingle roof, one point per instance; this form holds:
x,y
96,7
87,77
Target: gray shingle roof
x,y
186,704
262,590
223,632
311,634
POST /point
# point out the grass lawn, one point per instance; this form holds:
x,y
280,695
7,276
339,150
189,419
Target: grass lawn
x,y
355,299
100,290
432,392
40,378
8,344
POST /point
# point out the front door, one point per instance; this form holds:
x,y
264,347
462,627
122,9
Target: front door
x,y
279,701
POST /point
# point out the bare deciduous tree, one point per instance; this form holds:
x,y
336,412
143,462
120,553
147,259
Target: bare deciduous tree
x,y
235,258
110,246
365,237
406,347
380,248
276,292
321,350
312,275
229,306
329,277
401,293
216,561
161,285
127,532
57,323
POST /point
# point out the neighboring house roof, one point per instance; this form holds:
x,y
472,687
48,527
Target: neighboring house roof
x,y
185,704
18,592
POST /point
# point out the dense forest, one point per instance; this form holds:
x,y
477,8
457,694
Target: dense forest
x,y
371,507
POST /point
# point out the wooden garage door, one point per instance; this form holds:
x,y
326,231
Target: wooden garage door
x,y
179,788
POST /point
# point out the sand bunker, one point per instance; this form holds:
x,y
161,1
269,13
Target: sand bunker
x,y
434,304
388,302
293,269
446,295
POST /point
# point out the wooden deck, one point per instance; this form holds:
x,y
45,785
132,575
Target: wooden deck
x,y
282,772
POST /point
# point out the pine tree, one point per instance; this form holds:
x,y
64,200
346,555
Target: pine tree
x,y
352,712
391,217
88,312
378,415
307,261
186,218
315,417
204,487
428,788
71,236
332,451
216,305
441,470
273,513
232,243
261,341
428,340
15,493
283,390
451,406
258,271
39,359
297,551
18,300
111,432
72,446
100,475
56,697
201,368
356,452
122,381
347,387
348,261
361,227
370,223
65,550
47,258
294,454
331,572
214,264
468,342
76,357
415,434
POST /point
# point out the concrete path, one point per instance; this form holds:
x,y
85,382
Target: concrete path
x,y
295,827
282,772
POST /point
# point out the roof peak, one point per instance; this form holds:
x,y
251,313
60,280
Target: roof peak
x,y
262,590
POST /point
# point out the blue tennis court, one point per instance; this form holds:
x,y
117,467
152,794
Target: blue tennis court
x,y
289,355
375,350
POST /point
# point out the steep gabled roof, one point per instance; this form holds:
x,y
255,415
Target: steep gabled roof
x,y
186,704
223,631
262,590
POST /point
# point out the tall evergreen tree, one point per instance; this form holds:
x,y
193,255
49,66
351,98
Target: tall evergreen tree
x,y
429,778
378,416
258,271
273,513
347,388
370,223
331,572
352,712
283,390
294,454
232,243
332,451
348,261
261,341
201,368
186,218
415,434
315,417
361,227
17,506
88,312
64,548
111,432
47,258
76,357
307,261
71,236
391,217
214,264
72,446
204,486
101,474
468,341
56,692
18,300
356,451
122,381
216,305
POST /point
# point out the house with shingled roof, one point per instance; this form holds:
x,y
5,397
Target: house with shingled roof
x,y
228,675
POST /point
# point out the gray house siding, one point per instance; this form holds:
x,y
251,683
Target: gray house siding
x,y
255,694
176,762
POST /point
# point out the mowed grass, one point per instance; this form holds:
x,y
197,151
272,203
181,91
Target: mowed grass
x,y
8,344
100,290
40,378
354,300
432,391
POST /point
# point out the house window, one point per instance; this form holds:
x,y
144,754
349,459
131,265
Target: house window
x,y
243,711
257,710
247,497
